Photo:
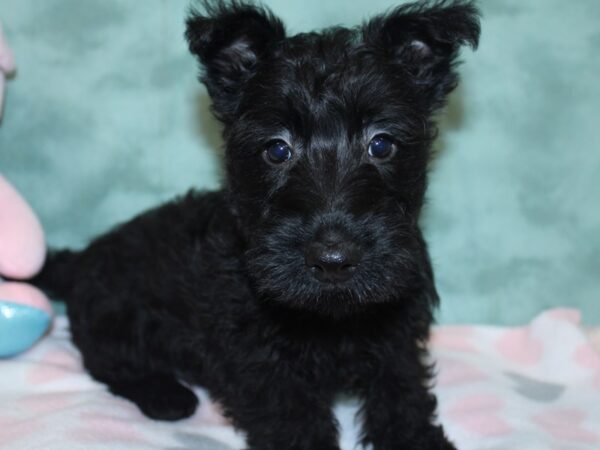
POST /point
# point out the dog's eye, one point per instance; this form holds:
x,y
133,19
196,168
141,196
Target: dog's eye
x,y
278,152
381,147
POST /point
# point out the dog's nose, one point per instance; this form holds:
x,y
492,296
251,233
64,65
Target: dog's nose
x,y
332,262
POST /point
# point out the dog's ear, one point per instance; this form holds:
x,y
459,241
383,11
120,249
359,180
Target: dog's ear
x,y
423,39
229,38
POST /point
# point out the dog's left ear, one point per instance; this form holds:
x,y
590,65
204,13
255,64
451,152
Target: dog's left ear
x,y
423,39
230,38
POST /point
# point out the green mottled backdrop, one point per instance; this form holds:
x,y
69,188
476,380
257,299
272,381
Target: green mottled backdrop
x,y
105,118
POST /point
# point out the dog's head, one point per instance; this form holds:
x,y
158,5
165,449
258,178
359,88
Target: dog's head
x,y
328,136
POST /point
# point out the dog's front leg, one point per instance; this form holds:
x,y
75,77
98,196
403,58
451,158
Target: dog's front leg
x,y
399,410
282,415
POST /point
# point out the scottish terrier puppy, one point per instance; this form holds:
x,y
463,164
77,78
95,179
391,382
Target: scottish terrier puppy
x,y
307,275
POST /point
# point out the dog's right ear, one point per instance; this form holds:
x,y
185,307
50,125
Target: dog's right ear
x,y
229,38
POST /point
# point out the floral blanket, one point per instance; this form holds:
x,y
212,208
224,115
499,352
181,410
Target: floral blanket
x,y
533,387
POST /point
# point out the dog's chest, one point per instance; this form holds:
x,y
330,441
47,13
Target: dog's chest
x,y
341,359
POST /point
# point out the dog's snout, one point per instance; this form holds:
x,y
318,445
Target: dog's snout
x,y
332,262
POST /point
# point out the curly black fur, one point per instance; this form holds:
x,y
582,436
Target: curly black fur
x,y
213,288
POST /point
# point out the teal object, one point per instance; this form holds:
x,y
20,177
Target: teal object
x,y
106,110
20,327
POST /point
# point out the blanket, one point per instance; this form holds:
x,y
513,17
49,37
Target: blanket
x,y
531,387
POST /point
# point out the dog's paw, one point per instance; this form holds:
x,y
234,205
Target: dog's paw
x,y
169,402
430,438
434,439
159,397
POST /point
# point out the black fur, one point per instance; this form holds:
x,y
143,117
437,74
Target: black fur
x,y
214,289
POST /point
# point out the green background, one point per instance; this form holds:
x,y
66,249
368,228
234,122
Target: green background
x,y
105,118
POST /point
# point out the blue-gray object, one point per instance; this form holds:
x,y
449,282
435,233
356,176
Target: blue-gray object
x,y
20,327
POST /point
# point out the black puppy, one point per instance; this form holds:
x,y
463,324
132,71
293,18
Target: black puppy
x,y
307,274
